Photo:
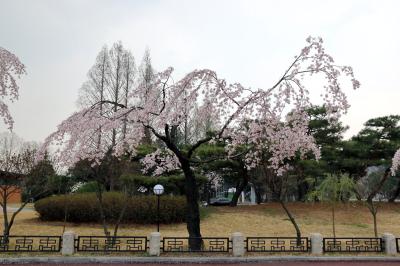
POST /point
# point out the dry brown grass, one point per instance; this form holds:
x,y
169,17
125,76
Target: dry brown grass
x,y
261,220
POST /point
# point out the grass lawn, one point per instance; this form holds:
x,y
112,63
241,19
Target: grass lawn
x,y
260,220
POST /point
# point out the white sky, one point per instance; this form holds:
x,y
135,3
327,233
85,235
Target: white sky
x,y
250,42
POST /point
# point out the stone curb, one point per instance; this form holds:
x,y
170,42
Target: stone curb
x,y
183,260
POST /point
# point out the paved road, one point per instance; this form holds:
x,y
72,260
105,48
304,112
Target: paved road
x,y
13,207
294,263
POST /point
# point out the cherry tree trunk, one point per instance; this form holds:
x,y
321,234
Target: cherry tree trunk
x,y
192,211
373,209
293,221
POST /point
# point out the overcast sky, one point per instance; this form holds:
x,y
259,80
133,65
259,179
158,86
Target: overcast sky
x,y
251,42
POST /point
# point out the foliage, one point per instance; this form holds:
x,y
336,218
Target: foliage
x,y
374,145
328,134
334,189
87,187
84,207
61,184
37,181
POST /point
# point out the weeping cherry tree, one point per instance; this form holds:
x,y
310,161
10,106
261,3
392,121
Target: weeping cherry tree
x,y
163,106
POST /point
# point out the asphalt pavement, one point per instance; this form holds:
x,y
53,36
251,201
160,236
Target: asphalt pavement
x,y
284,263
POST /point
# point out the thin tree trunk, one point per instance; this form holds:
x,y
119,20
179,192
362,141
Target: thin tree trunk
x,y
116,99
99,194
293,221
121,215
103,67
373,210
375,225
65,212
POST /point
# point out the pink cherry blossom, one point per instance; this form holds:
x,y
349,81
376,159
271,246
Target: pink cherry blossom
x,y
11,69
396,162
160,161
271,121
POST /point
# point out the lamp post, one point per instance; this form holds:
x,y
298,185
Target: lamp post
x,y
158,190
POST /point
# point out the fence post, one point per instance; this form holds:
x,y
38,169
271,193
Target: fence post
x,y
154,244
237,244
316,244
389,244
68,243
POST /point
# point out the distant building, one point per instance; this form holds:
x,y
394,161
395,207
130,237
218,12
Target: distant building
x,y
9,187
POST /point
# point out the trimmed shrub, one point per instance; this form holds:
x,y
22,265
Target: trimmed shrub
x,y
84,207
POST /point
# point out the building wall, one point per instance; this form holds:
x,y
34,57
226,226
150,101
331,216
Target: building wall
x,y
15,197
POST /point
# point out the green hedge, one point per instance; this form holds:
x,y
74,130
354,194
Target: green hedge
x,y
85,208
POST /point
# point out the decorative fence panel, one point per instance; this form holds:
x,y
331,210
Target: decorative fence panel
x,y
277,244
349,244
111,244
206,244
30,244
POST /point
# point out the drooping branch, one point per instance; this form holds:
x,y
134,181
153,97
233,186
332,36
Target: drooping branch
x,y
11,69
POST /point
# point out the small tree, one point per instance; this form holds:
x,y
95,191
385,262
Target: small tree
x,y
85,171
333,189
368,189
15,178
280,186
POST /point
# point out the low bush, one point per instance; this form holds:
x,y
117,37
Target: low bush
x,y
84,207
